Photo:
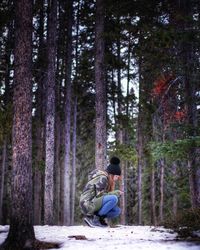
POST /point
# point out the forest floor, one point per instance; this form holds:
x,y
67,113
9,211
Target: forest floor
x,y
119,237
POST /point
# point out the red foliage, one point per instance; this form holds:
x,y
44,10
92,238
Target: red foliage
x,y
179,115
161,84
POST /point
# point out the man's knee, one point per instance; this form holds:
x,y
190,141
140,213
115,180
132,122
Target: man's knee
x,y
114,199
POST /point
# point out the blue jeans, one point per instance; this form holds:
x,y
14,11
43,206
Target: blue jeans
x,y
109,207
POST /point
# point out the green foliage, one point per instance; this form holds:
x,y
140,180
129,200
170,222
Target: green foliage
x,y
185,222
39,165
125,152
173,150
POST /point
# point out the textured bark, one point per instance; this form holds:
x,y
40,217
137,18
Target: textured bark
x,y
50,115
67,162
21,230
40,124
58,211
100,102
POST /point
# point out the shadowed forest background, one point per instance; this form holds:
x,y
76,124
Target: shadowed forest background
x,y
107,78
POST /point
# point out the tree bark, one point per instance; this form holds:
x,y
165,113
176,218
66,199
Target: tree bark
x,y
38,177
50,116
100,102
140,160
74,162
21,230
122,198
67,160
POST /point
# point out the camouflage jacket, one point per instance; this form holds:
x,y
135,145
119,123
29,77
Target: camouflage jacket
x,y
93,192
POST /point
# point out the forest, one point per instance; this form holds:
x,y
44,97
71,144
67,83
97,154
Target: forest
x,y
82,81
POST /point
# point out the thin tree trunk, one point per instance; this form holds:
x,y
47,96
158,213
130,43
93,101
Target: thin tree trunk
x,y
6,208
3,166
57,202
74,161
139,190
140,159
50,116
175,197
153,198
58,207
120,132
21,230
113,87
67,162
75,118
122,198
162,169
100,102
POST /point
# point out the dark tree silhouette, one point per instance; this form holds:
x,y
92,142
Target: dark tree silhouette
x,y
21,231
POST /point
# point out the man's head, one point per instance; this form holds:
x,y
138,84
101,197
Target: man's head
x,y
114,167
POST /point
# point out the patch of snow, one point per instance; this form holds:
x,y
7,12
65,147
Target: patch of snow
x,y
121,237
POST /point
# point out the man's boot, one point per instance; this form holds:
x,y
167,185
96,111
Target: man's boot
x,y
93,221
102,221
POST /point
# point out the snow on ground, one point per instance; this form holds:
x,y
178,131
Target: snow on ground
x,y
121,237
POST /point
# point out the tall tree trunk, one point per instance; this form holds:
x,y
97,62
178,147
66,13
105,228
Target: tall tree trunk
x,y
120,131
140,160
58,207
191,103
74,161
50,115
74,142
21,230
67,162
100,102
39,120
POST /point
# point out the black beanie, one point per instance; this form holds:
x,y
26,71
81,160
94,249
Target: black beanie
x,y
113,167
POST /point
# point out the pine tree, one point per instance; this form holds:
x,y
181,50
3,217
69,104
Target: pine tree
x,y
21,230
50,115
67,109
101,136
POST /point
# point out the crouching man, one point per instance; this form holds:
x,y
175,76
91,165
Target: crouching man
x,y
99,200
